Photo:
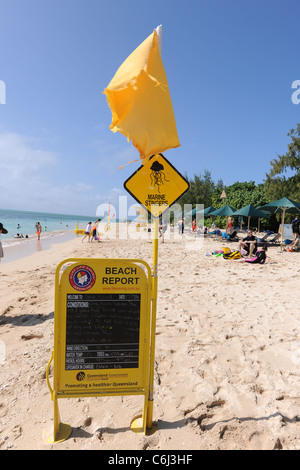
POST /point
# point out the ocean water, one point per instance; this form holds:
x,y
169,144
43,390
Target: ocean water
x,y
23,222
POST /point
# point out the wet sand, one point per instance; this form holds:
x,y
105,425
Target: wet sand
x,y
20,248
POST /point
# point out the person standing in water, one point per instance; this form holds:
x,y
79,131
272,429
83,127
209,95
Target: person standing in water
x,y
38,229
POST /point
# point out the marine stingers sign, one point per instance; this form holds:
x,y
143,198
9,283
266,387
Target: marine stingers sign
x,y
101,331
156,185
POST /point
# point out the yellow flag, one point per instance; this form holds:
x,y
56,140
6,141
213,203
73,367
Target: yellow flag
x,y
140,102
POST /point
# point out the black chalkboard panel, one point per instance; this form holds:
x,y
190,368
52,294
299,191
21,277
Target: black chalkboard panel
x,y
102,331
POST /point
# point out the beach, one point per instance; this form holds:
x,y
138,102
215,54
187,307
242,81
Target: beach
x,y
226,361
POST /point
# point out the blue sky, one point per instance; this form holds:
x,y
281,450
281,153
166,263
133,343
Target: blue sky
x,y
230,66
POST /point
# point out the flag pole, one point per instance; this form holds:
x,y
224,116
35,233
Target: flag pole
x,y
154,293
153,324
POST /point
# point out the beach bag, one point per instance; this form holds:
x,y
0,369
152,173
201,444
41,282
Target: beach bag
x,y
226,250
234,255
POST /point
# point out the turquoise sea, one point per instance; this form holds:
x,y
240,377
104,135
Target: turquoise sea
x,y
23,222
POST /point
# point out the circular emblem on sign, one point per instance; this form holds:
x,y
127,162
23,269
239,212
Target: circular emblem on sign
x,y
82,278
80,376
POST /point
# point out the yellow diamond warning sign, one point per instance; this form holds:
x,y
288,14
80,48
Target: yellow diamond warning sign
x,y
156,185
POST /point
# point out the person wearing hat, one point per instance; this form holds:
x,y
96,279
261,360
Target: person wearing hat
x,y
2,230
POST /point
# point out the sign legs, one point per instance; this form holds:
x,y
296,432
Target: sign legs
x,y
61,431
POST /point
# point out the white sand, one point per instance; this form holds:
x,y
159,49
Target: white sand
x,y
227,367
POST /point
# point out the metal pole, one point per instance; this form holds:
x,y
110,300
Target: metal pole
x,y
153,324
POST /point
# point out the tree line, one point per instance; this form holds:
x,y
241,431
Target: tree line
x,y
282,180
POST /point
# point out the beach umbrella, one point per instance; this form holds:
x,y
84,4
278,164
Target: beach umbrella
x,y
204,212
192,212
225,211
208,210
282,206
249,211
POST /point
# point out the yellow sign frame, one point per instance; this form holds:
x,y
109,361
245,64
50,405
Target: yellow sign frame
x,y
157,185
107,276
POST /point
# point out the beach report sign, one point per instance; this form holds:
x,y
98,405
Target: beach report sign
x,y
101,332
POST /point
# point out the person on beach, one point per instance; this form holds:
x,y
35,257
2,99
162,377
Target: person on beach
x,y
88,231
180,226
259,258
94,230
248,245
295,227
38,230
2,230
294,245
162,228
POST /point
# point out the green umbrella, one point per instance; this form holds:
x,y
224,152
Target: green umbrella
x,y
192,212
282,206
208,210
249,211
203,212
224,211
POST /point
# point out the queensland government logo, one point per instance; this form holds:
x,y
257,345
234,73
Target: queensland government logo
x,y
82,278
80,376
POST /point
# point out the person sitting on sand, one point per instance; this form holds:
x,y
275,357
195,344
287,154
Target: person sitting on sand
x,y
248,244
294,245
259,258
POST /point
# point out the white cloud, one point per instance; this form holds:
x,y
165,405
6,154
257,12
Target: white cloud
x,y
20,161
28,180
23,170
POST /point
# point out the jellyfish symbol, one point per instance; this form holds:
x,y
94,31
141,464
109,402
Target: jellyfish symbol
x,y
157,175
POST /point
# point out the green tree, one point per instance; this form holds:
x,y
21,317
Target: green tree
x,y
201,190
279,184
241,194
